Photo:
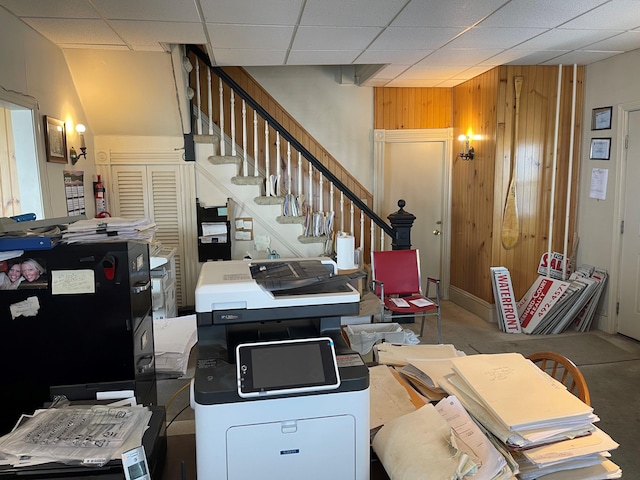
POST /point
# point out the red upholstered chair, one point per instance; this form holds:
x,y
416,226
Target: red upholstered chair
x,y
396,275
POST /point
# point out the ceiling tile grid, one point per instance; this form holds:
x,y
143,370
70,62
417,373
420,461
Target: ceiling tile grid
x,y
424,43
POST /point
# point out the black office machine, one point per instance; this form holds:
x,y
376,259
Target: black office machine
x,y
275,381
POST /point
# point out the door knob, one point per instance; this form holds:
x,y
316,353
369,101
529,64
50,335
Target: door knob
x,y
436,232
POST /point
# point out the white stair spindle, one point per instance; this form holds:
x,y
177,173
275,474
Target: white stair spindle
x,y
256,170
351,223
288,168
233,124
342,211
267,169
361,245
321,194
278,167
311,188
299,174
245,161
331,197
209,102
198,98
372,234
222,142
381,239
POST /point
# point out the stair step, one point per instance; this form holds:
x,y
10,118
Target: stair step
x,y
224,160
269,200
242,180
320,239
289,220
206,139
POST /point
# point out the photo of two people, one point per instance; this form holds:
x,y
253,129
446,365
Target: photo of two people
x,y
23,272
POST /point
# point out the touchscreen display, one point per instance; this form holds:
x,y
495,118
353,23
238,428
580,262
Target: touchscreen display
x,y
293,364
286,366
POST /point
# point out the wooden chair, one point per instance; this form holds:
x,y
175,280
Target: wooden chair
x,y
563,370
396,274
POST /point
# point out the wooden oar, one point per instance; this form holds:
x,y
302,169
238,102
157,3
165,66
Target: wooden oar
x,y
510,221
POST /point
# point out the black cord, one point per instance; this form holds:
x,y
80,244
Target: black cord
x,y
177,415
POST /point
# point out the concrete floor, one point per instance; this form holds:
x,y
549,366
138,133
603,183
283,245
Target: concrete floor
x,y
614,382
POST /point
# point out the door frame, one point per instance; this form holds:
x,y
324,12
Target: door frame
x,y
443,135
611,324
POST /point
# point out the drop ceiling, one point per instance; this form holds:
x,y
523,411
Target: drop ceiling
x,y
393,43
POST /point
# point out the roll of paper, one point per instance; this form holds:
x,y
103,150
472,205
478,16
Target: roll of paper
x,y
345,249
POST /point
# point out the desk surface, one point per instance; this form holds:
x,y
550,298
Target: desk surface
x,y
181,453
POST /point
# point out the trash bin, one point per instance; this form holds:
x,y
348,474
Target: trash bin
x,y
363,337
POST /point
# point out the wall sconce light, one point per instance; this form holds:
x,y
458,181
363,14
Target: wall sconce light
x,y
467,152
80,128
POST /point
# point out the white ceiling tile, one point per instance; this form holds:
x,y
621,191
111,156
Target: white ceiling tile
x,y
75,31
453,13
271,12
249,57
523,57
623,42
580,57
397,38
502,37
50,9
84,46
334,38
163,10
460,56
613,15
404,57
434,72
322,57
565,39
151,33
538,13
353,13
269,37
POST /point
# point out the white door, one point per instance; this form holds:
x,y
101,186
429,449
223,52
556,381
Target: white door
x,y
413,171
629,296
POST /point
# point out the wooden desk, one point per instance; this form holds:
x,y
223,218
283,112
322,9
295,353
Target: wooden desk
x,y
181,450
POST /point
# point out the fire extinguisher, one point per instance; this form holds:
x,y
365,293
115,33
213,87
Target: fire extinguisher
x,y
101,201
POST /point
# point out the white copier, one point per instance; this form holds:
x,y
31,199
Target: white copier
x,y
305,434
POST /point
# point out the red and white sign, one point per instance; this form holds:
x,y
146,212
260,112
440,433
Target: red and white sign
x,y
538,301
556,264
505,300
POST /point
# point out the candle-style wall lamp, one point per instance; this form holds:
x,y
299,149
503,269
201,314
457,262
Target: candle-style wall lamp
x,y
73,155
467,152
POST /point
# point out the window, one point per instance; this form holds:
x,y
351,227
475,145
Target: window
x,y
21,190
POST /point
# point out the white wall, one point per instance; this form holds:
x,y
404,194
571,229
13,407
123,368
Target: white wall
x,y
34,67
610,82
339,116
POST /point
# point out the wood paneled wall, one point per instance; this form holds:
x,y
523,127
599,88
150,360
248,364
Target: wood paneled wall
x,y
484,107
409,108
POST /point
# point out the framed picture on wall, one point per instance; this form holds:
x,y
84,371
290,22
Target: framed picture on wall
x,y
600,149
601,118
55,140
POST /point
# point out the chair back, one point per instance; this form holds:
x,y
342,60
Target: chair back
x,y
399,270
565,371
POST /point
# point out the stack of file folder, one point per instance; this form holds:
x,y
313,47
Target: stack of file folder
x,y
111,229
550,432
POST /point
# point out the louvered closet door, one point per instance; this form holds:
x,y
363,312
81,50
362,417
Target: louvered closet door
x,y
154,191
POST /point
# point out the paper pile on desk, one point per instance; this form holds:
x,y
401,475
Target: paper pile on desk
x,y
528,410
173,340
110,229
436,443
423,366
77,435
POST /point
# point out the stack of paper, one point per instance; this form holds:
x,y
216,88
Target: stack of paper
x,y
528,410
423,366
173,340
437,442
111,229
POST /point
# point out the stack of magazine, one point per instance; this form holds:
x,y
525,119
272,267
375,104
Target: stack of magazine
x,y
545,427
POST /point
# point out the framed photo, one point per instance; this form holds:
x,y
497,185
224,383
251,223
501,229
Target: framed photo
x,y
601,118
600,149
55,140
